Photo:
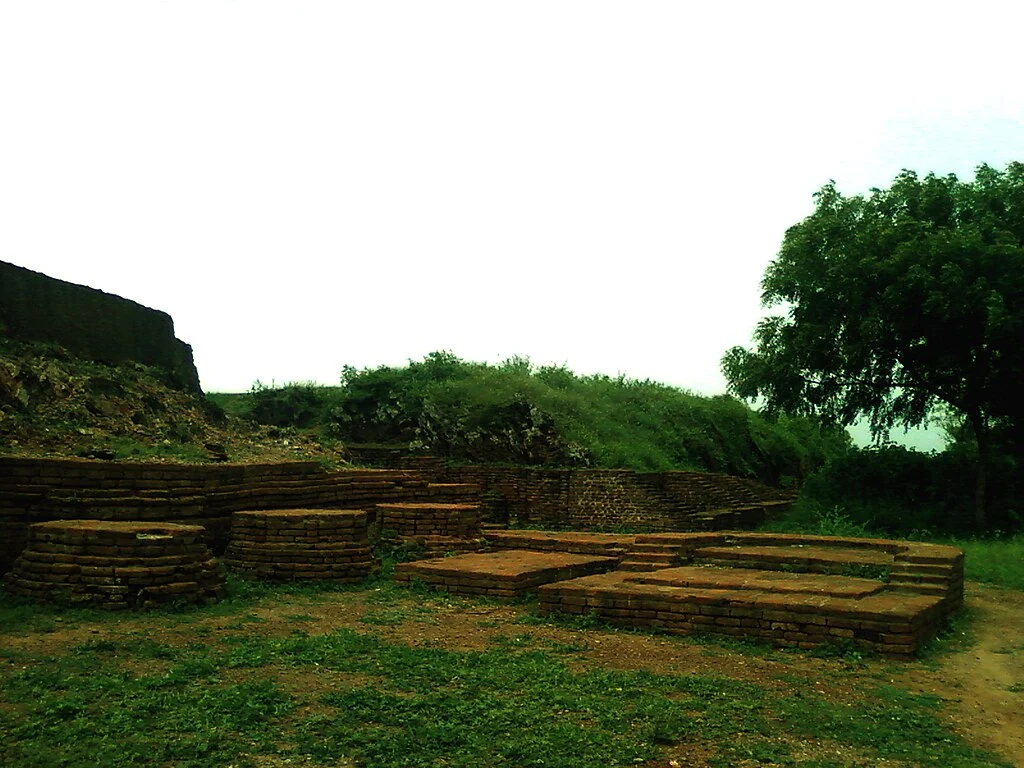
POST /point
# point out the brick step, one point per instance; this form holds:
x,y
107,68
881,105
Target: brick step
x,y
669,558
825,568
919,579
640,566
899,569
919,589
653,547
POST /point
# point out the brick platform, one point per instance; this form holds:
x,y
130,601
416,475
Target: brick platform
x,y
605,544
432,530
282,545
417,519
905,566
115,565
502,574
820,610
887,596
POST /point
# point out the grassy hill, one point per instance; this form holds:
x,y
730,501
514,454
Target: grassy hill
x,y
519,413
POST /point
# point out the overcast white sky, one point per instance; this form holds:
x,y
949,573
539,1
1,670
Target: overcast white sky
x,y
303,185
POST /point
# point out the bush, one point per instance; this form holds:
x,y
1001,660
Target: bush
x,y
298,404
516,413
901,492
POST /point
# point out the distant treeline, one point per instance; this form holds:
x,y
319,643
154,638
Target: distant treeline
x,y
892,491
519,413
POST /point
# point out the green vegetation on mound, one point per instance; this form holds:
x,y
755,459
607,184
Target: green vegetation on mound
x,y
54,403
519,413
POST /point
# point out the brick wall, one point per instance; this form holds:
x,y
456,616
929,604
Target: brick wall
x,y
38,490
610,498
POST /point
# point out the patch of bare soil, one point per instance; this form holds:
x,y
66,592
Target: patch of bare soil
x,y
984,682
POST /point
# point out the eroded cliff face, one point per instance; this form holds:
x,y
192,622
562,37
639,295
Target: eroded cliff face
x,y
91,324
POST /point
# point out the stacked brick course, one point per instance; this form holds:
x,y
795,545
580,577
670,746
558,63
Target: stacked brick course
x,y
606,544
894,624
609,498
38,490
281,545
787,589
417,519
432,529
115,565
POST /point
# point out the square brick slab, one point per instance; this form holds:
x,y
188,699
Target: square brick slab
x,y
889,622
796,554
765,581
509,573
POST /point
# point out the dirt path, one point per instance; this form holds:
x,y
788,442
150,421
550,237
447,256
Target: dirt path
x,y
984,683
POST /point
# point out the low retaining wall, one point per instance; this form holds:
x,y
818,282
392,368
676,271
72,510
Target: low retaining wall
x,y
38,490
611,498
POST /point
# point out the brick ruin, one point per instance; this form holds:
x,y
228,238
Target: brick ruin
x,y
115,565
431,529
803,591
135,535
39,490
291,544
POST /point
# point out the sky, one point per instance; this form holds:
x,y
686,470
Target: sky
x,y
307,185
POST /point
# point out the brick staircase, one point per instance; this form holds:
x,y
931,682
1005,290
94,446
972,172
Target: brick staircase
x,y
650,556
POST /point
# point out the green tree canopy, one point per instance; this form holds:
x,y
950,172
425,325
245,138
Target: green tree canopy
x,y
895,302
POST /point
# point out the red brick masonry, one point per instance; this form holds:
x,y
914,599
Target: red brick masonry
x,y
115,564
284,544
502,574
888,596
790,590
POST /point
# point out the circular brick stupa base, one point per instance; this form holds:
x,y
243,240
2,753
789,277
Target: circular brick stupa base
x,y
286,544
115,564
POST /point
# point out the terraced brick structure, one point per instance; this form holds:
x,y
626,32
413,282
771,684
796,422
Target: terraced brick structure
x,y
432,529
115,565
615,545
290,544
501,574
888,596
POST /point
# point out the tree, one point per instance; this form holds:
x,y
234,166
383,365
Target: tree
x,y
895,303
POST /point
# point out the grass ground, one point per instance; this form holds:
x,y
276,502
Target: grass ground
x,y
994,561
384,675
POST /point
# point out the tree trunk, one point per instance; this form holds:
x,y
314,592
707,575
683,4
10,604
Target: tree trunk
x,y
980,427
